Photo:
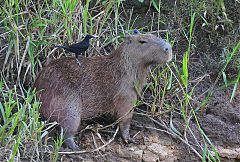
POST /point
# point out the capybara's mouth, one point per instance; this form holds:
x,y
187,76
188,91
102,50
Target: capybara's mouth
x,y
170,57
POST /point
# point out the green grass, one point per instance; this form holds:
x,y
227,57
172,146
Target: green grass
x,y
31,29
21,122
58,142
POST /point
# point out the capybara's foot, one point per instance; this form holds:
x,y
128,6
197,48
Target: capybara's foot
x,y
70,143
132,140
129,140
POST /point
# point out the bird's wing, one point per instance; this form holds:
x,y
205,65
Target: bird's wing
x,y
79,45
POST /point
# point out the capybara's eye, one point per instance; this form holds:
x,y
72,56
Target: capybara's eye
x,y
142,41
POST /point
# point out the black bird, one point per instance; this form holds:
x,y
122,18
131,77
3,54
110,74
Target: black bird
x,y
78,48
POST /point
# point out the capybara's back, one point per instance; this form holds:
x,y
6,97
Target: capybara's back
x,y
102,84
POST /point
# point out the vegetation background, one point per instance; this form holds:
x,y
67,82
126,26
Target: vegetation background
x,y
194,99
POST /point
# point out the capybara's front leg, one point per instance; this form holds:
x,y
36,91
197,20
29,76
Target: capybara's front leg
x,y
125,114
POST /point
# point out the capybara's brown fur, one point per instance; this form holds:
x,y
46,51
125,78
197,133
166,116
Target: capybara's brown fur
x,y
101,84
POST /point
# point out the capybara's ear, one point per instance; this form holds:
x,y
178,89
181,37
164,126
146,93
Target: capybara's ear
x,y
128,38
135,31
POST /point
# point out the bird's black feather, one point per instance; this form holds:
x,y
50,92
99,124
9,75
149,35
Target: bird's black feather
x,y
78,48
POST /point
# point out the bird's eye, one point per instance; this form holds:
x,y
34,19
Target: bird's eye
x,y
142,41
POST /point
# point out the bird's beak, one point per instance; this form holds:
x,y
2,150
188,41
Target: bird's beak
x,y
95,36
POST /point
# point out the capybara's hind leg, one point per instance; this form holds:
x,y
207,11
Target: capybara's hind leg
x,y
70,128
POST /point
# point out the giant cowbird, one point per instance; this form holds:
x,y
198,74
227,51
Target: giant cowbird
x,y
78,48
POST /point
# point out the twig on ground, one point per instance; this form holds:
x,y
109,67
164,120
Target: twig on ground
x,y
170,132
97,149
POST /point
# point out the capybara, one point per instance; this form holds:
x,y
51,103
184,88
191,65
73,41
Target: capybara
x,y
100,85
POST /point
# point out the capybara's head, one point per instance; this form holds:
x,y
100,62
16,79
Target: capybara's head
x,y
147,48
